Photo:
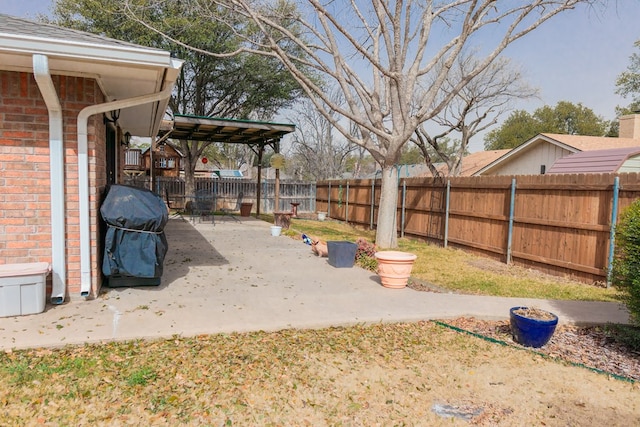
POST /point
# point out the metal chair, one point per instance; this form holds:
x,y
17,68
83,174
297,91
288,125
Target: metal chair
x,y
236,208
205,205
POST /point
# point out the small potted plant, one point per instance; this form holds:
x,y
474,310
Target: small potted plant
x,y
532,327
366,254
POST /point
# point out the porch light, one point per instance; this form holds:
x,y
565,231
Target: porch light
x,y
127,139
115,115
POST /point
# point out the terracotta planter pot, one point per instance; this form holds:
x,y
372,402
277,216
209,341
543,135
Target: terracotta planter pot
x,y
394,268
245,209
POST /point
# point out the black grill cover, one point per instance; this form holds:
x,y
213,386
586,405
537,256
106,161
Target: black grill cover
x,y
135,243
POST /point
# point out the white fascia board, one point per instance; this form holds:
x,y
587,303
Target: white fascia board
x,y
85,51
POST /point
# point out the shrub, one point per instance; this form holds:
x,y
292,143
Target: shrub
x,y
365,254
626,265
627,335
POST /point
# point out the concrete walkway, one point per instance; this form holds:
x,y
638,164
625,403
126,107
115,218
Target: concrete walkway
x,y
236,277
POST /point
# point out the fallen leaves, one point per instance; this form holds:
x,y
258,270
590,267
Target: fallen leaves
x,y
590,346
361,375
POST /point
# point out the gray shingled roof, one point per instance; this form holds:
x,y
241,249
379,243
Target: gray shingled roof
x,y
594,161
37,30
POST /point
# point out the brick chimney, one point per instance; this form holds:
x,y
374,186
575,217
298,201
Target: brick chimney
x,y
630,126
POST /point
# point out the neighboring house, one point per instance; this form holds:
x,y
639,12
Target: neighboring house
x,y
404,171
227,173
134,162
613,160
476,161
210,170
470,164
165,158
67,100
538,154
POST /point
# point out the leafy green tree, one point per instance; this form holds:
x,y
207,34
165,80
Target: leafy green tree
x,y
564,118
411,155
628,82
517,128
570,119
242,87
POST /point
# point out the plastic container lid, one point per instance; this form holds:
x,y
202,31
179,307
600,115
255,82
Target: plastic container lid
x,y
24,269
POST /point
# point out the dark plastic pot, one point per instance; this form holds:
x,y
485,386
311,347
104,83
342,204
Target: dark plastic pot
x,y
342,254
531,332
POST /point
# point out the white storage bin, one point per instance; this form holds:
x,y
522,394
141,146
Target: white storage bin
x,y
23,288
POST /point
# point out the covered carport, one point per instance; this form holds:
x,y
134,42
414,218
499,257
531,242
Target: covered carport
x,y
256,134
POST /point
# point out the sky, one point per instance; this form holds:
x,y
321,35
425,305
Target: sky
x,y
575,57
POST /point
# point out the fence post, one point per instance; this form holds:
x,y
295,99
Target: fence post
x,y
512,206
329,201
373,199
445,238
346,212
404,198
612,228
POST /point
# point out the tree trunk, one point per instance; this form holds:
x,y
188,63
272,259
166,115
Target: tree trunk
x,y
189,177
386,233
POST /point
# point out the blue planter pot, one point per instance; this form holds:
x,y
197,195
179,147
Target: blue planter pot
x,y
531,332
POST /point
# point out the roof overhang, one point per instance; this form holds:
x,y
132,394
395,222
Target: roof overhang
x,y
122,70
212,129
523,148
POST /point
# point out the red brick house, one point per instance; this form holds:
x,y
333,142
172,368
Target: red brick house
x,y
67,99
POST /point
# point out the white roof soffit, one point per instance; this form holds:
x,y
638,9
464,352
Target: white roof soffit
x,y
122,70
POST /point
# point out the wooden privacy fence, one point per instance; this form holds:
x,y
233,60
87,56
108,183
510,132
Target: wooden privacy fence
x,y
559,224
226,191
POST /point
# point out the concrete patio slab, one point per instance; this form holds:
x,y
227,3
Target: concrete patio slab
x,y
235,277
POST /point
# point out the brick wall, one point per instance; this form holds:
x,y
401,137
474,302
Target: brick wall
x,y
25,217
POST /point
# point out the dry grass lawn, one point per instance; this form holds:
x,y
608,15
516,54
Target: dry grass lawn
x,y
418,374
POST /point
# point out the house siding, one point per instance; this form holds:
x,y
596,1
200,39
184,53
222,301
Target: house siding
x,y
25,208
529,162
631,165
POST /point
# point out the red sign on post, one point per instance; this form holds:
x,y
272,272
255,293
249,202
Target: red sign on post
x,y
205,160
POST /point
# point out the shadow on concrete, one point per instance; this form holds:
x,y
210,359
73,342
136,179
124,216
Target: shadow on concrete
x,y
187,248
595,312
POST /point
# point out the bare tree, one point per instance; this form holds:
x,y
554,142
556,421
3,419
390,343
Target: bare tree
x,y
378,52
473,109
316,149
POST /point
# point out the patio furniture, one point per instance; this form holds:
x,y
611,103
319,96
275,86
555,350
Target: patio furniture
x,y
236,208
205,205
